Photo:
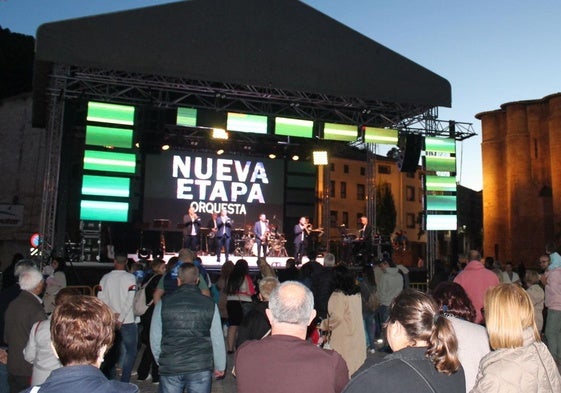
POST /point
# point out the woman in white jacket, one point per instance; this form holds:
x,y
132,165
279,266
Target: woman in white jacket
x,y
520,362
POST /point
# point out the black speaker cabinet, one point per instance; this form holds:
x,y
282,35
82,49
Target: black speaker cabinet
x,y
410,146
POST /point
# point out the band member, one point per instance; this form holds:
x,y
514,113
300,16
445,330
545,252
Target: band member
x,y
261,231
223,234
365,233
364,250
211,237
301,232
192,224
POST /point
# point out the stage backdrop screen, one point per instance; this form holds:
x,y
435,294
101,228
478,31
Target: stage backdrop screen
x,y
245,186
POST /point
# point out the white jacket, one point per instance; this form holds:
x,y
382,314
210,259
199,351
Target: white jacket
x,y
117,291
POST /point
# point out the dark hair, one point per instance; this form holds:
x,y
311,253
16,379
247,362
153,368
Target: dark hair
x,y
236,278
453,299
419,315
65,294
344,280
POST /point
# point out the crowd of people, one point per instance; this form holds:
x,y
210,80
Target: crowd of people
x,y
302,328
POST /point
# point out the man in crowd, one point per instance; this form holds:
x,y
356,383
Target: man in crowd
x,y
22,313
552,281
186,337
261,365
476,279
117,289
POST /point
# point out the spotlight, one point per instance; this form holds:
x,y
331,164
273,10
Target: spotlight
x,y
165,147
320,157
272,156
219,133
295,157
220,152
137,145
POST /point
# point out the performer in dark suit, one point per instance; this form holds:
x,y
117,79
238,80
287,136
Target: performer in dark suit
x,y
211,237
192,224
261,231
223,234
301,232
364,249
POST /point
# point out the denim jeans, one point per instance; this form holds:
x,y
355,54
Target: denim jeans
x,y
195,382
553,333
129,337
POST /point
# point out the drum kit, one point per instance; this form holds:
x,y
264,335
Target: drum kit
x,y
246,244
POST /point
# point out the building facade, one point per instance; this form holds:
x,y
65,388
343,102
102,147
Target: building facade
x,y
521,182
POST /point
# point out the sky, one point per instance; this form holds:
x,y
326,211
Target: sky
x,y
491,52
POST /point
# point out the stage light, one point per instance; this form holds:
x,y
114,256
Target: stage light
x,y
320,157
272,156
295,157
137,145
219,133
220,152
165,147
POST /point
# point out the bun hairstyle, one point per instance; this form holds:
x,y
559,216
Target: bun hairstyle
x,y
422,320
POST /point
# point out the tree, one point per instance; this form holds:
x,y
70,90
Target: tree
x,y
385,210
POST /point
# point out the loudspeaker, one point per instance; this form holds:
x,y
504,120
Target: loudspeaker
x,y
150,123
410,146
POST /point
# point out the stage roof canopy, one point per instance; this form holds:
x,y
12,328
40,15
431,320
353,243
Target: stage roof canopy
x,y
271,55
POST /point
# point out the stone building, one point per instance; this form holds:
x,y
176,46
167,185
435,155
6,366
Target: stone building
x,y
521,147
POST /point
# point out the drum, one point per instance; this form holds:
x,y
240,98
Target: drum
x,y
249,244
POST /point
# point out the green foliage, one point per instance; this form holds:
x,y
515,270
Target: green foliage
x,y
385,210
16,63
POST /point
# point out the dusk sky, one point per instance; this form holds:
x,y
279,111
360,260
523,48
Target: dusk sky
x,y
491,52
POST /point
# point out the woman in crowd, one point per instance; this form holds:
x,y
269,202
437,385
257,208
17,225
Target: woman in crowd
x,y
520,362
54,283
345,318
537,296
39,350
225,272
239,291
425,351
473,342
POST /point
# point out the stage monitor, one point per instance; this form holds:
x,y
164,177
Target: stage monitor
x,y
340,132
243,122
109,136
294,127
102,112
244,186
186,117
381,136
96,160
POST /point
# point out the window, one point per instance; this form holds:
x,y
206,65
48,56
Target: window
x,y
332,188
343,190
332,167
385,169
345,218
360,192
410,220
333,218
410,193
410,175
345,168
362,171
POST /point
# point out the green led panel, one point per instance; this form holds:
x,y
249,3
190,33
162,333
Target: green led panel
x,y
243,122
110,113
104,211
442,222
440,164
294,127
440,145
109,161
380,136
441,203
107,136
187,117
440,183
106,186
339,132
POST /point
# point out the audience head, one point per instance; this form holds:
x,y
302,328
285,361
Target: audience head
x,y
31,280
120,262
509,312
453,299
171,262
226,268
329,260
158,266
344,280
290,263
532,277
65,294
415,321
489,263
24,264
474,255
188,274
291,303
545,260
59,265
82,329
266,286
186,255
236,278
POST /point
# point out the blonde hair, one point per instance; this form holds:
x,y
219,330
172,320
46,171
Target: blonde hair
x,y
508,312
532,277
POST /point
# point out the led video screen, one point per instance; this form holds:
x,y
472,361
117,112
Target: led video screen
x,y
294,127
244,186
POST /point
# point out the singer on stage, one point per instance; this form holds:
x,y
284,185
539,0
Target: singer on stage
x,y
223,234
261,231
301,232
192,224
